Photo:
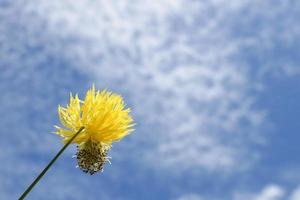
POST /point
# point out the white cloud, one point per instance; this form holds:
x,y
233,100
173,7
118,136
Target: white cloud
x,y
270,192
295,194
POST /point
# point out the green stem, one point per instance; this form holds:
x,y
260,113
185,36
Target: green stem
x,y
49,165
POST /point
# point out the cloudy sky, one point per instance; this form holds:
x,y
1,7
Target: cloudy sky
x,y
213,85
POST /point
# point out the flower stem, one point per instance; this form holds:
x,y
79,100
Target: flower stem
x,y
49,165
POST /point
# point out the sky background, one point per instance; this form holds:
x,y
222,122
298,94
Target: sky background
x,y
213,85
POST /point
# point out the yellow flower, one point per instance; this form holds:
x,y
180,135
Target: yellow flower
x,y
105,120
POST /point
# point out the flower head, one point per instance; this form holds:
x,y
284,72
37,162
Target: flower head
x,y
105,120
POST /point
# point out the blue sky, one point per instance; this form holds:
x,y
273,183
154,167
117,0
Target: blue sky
x,y
213,86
